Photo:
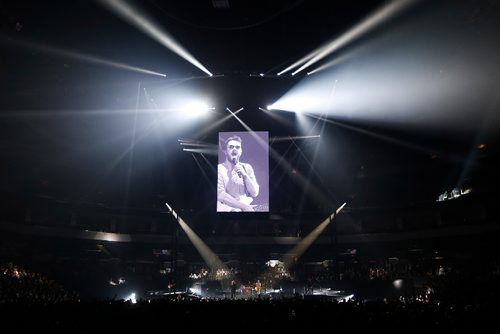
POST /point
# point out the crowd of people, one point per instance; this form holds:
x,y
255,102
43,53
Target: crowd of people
x,y
21,286
445,295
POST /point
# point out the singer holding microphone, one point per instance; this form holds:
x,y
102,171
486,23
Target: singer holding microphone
x,y
236,183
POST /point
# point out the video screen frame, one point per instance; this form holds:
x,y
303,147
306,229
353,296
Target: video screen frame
x,y
243,172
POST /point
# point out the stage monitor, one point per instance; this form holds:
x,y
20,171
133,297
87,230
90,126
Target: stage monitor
x,y
243,172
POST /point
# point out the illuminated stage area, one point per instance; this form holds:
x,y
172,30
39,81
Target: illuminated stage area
x,y
248,293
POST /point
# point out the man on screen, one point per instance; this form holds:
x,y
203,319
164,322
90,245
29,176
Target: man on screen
x,y
236,183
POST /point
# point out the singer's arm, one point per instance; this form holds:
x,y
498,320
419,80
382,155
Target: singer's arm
x,y
251,184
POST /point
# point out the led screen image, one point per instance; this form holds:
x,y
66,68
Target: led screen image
x,y
243,172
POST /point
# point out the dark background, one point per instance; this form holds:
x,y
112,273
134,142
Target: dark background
x,y
66,125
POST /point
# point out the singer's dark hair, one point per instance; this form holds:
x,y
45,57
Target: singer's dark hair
x,y
237,138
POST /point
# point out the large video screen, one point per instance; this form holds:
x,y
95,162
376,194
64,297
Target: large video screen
x,y
243,172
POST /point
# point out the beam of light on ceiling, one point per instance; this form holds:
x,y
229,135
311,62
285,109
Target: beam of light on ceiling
x,y
209,151
209,164
79,56
85,112
183,107
147,25
205,145
280,118
259,140
407,80
146,131
287,167
291,138
137,135
371,22
233,113
61,113
301,61
210,258
296,252
195,108
396,141
311,164
204,172
339,60
292,256
131,151
216,124
198,147
188,140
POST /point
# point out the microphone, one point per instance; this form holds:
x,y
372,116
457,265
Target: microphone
x,y
234,160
